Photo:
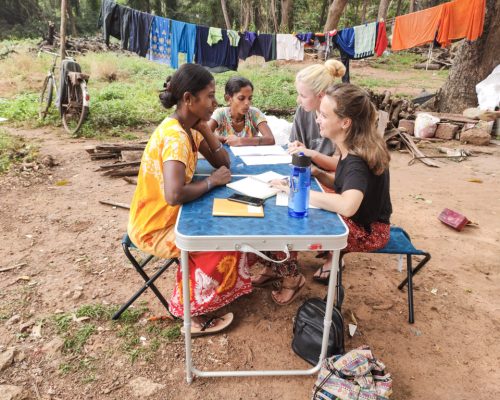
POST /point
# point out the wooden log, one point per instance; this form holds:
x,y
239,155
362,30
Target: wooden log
x,y
132,181
448,117
115,204
119,165
430,67
121,172
408,141
387,96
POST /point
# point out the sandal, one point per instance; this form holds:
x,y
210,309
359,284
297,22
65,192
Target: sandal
x,y
296,289
323,275
211,325
265,280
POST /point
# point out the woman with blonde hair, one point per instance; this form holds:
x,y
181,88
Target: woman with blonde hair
x,y
311,84
361,181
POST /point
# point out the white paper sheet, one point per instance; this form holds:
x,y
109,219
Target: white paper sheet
x,y
256,185
273,150
267,160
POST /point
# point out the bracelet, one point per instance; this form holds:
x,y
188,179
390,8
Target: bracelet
x,y
209,184
217,149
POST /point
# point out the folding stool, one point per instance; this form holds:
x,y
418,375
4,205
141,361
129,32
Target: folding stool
x,y
399,243
139,267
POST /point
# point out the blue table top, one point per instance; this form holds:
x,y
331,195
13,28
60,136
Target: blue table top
x,y
196,219
238,167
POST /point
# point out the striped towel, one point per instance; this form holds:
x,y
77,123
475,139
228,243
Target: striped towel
x,y
364,40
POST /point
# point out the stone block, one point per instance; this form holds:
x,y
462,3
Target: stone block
x,y
408,125
446,131
476,136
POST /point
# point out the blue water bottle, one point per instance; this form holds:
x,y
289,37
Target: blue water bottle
x,y
300,184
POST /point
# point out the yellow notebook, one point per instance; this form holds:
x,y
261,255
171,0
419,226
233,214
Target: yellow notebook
x,y
227,208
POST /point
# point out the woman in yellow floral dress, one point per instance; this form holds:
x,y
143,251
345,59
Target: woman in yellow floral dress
x,y
165,182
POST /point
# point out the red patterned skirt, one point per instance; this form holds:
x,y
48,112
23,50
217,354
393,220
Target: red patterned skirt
x,y
362,241
215,280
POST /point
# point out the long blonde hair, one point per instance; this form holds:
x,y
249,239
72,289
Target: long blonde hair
x,y
318,77
362,138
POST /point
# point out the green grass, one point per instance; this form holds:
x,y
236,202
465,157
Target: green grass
x,y
13,150
75,342
397,61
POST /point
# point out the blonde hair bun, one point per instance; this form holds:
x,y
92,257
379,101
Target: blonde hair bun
x,y
335,68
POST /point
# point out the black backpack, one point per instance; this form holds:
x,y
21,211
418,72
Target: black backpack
x,y
308,331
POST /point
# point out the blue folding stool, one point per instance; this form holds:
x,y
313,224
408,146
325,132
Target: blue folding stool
x,y
139,267
399,243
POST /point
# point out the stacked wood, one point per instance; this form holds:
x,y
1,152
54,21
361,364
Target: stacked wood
x,y
118,168
79,45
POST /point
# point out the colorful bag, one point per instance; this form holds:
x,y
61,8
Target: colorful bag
x,y
356,375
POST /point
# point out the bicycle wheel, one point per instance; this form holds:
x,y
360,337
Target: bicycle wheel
x,y
75,112
46,97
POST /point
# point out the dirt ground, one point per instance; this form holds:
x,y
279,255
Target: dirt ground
x,y
66,251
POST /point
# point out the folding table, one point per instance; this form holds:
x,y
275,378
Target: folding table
x,y
197,230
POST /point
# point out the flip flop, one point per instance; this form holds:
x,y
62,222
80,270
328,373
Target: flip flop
x,y
268,280
296,289
211,326
324,275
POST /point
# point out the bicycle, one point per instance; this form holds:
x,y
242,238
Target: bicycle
x,y
74,100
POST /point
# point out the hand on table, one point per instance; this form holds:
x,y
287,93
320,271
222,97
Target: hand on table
x,y
233,141
281,185
220,176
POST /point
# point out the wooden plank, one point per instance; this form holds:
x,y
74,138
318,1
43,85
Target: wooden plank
x,y
408,141
451,117
115,204
119,165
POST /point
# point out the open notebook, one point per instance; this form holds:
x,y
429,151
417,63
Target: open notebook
x,y
227,208
257,185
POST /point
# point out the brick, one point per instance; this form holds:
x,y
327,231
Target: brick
x,y
446,131
408,125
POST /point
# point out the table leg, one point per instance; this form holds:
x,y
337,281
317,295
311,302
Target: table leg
x,y
332,282
187,313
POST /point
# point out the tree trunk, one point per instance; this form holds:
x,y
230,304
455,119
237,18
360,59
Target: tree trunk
x,y
274,16
412,6
473,62
334,14
226,15
63,30
363,10
322,18
286,15
382,10
71,18
398,8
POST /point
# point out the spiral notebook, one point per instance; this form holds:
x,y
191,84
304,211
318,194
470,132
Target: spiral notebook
x,y
257,185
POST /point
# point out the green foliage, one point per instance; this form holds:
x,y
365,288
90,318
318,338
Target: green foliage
x,y
14,149
171,333
75,341
397,61
63,322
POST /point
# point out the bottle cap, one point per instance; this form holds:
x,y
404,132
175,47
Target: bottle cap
x,y
301,160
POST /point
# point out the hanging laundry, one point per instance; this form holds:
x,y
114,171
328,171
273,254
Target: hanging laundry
x,y
109,20
416,29
125,16
382,42
214,36
364,40
461,19
140,25
305,37
288,47
221,54
263,45
345,40
234,37
183,40
159,41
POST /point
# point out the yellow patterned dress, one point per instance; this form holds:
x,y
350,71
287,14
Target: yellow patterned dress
x,y
216,278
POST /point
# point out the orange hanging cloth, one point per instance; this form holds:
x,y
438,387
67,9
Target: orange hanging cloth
x,y
461,19
416,29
